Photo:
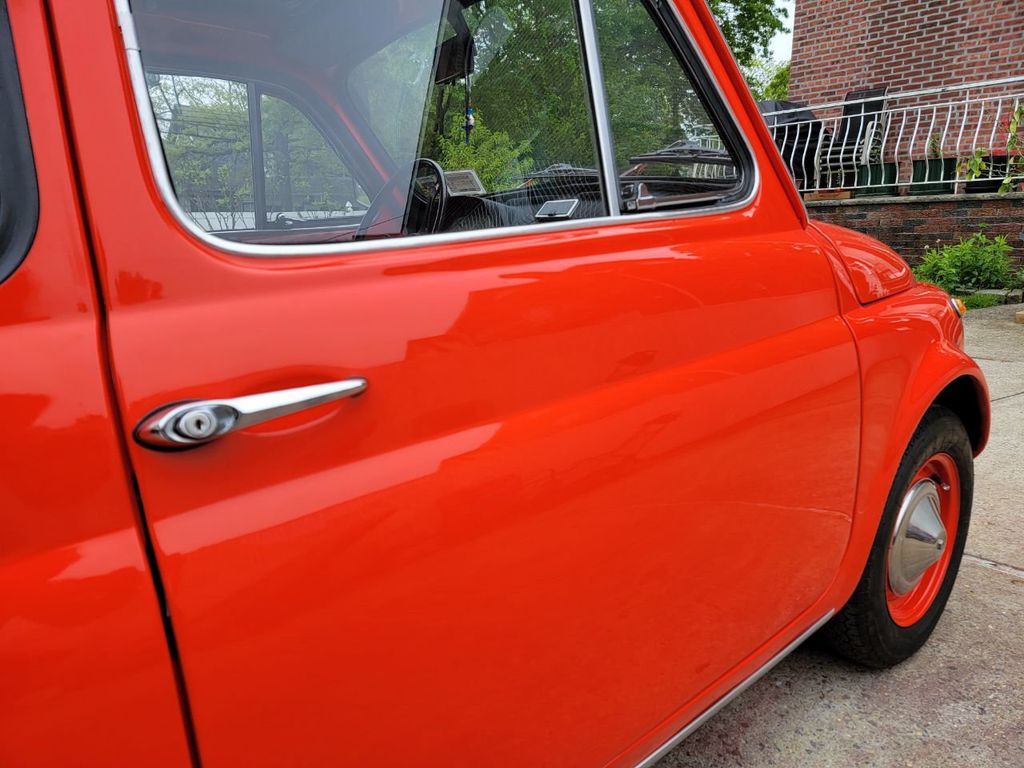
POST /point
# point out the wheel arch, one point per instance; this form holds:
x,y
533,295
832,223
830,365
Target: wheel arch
x,y
967,397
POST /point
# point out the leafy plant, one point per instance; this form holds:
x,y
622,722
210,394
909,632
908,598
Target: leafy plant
x,y
499,161
935,147
749,25
1014,151
970,265
981,300
973,166
768,79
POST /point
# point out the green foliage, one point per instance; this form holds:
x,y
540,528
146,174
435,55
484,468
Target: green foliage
x,y
204,125
768,79
1014,151
778,86
749,26
981,300
973,166
972,264
651,101
499,162
303,172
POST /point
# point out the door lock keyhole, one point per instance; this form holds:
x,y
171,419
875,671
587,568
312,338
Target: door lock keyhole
x,y
200,424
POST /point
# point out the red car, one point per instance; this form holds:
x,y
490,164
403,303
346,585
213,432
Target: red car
x,y
435,383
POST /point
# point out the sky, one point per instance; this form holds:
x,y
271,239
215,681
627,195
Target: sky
x,y
782,45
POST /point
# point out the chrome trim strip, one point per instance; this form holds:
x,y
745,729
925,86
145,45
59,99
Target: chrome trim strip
x,y
127,24
161,176
711,711
602,117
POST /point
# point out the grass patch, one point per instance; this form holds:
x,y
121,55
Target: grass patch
x,y
982,300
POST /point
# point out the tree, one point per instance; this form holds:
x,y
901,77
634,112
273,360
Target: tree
x,y
768,80
749,26
204,125
499,162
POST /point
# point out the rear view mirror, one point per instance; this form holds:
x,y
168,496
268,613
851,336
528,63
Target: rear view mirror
x,y
454,59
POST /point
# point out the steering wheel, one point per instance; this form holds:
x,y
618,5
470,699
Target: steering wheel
x,y
419,211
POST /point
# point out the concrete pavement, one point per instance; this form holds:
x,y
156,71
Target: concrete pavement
x,y
960,700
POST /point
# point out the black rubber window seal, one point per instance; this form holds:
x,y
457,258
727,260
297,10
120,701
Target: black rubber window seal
x,y
19,193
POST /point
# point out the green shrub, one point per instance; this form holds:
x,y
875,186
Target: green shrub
x,y
972,264
982,300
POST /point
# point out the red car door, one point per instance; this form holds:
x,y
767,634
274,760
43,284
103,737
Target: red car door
x,y
600,465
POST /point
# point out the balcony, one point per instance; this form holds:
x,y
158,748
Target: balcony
x,y
953,140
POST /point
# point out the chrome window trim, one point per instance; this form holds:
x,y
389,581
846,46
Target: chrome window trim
x,y
594,73
162,178
707,714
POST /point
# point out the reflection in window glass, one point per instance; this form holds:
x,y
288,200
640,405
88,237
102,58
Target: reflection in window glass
x,y
528,94
390,88
667,148
531,139
204,125
305,178
484,101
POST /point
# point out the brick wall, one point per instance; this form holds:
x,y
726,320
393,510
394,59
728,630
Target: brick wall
x,y
846,45
910,225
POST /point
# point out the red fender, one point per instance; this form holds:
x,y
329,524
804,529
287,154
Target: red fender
x,y
911,355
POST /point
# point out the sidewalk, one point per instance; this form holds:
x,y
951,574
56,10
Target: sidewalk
x,y
960,700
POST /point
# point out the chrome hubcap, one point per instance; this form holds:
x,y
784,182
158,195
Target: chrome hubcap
x,y
919,539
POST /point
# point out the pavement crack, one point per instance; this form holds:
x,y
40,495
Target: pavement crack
x,y
994,565
1007,397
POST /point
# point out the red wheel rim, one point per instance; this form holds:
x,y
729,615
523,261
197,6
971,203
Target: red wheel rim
x,y
909,608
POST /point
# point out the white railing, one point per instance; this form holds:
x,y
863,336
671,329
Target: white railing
x,y
949,140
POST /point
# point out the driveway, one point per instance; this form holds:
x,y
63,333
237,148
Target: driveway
x,y
960,700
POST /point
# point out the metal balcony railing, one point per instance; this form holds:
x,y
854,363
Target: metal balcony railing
x,y
949,140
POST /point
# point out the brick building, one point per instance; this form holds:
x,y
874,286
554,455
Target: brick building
x,y
844,46
847,45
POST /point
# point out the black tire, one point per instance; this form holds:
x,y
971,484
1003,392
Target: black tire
x,y
864,631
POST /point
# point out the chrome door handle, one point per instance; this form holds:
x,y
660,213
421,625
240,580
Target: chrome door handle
x,y
186,425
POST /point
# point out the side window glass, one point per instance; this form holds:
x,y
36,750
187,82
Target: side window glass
x,y
390,89
458,116
668,151
498,97
305,180
204,126
317,123
292,178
